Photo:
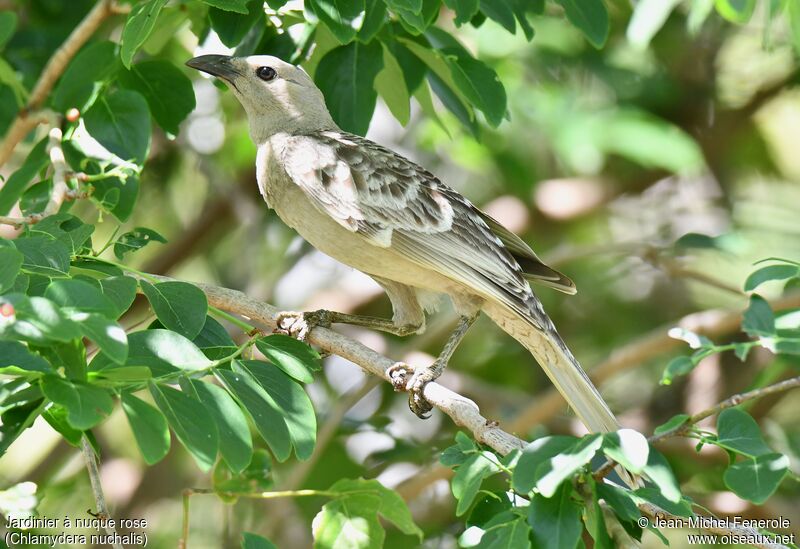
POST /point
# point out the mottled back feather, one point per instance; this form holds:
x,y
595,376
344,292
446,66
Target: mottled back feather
x,y
390,200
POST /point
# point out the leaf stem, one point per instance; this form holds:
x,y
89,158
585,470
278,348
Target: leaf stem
x,y
236,321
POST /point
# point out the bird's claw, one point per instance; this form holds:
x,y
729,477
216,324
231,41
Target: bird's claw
x,y
399,373
405,378
299,325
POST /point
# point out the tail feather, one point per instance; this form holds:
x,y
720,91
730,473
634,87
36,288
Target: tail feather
x,y
561,367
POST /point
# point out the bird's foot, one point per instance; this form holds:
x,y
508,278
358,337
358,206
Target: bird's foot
x,y
299,325
405,378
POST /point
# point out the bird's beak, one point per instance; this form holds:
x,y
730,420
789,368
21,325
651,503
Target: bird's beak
x,y
216,65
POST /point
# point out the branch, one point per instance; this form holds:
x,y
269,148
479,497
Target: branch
x,y
730,402
97,489
29,117
461,410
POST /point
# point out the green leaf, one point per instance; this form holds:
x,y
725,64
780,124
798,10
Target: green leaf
x,y
232,27
521,9
16,358
736,11
39,320
8,24
346,75
758,318
35,198
559,468
659,471
350,522
672,423
180,306
391,85
413,6
620,500
590,16
628,448
678,366
738,432
507,535
254,541
56,417
340,16
757,479
500,11
374,19
149,428
120,121
134,240
190,421
14,421
116,195
120,290
391,506
67,229
10,264
480,84
291,400
417,21
265,413
682,507
526,473
469,477
169,92
9,77
15,185
214,340
556,521
770,272
90,70
86,405
78,296
239,6
257,476
109,336
296,358
43,255
465,10
235,442
140,23
163,351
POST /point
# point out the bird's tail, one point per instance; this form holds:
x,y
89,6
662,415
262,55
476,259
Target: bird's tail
x,y
561,367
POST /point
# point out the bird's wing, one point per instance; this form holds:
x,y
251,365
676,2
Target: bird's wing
x,y
393,202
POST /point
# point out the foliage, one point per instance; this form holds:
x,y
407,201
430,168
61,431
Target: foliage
x,y
87,336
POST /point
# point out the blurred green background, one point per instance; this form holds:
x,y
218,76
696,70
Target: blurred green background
x,y
610,159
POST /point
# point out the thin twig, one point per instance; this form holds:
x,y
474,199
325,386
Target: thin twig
x,y
730,402
97,489
28,118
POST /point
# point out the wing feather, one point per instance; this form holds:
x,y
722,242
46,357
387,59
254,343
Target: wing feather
x,y
392,201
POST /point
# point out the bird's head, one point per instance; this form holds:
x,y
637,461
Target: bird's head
x,y
278,96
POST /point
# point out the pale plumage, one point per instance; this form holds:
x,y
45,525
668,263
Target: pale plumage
x,y
379,212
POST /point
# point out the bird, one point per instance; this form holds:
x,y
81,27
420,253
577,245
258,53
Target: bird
x,y
380,213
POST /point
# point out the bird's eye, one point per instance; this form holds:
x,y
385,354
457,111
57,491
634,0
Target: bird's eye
x,y
266,73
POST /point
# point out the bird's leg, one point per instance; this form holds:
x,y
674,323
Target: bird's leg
x,y
298,325
416,385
